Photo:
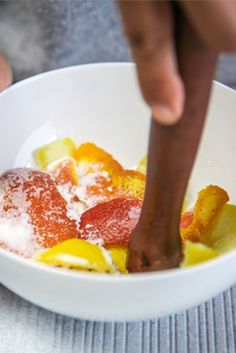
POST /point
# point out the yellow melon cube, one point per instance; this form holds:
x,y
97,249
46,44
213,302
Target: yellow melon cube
x,y
223,235
54,151
142,166
119,257
196,253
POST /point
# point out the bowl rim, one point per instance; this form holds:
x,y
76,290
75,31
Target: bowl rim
x,y
88,276
134,277
80,67
88,66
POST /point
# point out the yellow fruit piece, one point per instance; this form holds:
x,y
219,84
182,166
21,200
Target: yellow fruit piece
x,y
78,254
131,183
54,151
64,171
92,159
142,166
223,236
119,257
209,203
196,253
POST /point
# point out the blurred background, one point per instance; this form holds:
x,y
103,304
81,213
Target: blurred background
x,y
40,35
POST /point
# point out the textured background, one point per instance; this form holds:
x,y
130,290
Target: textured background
x,y
38,35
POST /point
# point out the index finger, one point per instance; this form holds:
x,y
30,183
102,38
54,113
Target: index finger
x,y
148,25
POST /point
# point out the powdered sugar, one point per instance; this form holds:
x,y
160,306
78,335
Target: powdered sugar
x,y
134,213
16,233
17,236
86,181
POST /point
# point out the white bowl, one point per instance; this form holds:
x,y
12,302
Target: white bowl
x,y
101,103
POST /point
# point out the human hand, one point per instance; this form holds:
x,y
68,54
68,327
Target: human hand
x,y
149,26
5,74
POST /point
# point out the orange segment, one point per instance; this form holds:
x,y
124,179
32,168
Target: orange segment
x,y
102,189
92,159
208,206
64,171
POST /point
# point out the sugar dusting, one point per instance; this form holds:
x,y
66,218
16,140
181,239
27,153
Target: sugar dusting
x,y
18,237
88,180
16,232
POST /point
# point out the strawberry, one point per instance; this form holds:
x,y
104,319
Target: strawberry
x,y
111,222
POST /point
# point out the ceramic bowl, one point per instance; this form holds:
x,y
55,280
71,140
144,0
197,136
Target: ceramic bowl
x,y
101,103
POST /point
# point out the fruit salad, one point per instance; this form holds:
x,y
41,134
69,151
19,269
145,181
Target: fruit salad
x,y
78,206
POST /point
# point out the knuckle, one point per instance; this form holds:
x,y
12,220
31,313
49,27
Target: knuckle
x,y
148,44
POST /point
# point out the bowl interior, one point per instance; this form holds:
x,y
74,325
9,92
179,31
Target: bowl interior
x,y
97,103
101,103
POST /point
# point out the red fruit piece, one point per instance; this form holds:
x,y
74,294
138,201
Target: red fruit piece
x,y
110,222
186,219
31,197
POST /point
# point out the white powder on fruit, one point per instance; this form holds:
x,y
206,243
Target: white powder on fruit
x,y
16,233
86,181
108,257
134,213
17,236
73,260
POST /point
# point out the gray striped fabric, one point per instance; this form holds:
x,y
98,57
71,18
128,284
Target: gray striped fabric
x,y
26,328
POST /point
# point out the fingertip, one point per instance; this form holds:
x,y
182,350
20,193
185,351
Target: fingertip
x,y
164,115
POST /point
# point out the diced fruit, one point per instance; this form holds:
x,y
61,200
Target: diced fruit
x,y
110,222
54,151
119,257
208,206
100,190
223,235
31,196
78,254
142,166
196,253
64,171
130,183
92,159
186,219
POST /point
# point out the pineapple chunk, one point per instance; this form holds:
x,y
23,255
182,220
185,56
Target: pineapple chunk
x,y
54,151
196,253
119,257
78,254
223,236
130,183
142,166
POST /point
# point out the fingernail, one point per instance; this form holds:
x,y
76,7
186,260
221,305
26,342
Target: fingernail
x,y
163,114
